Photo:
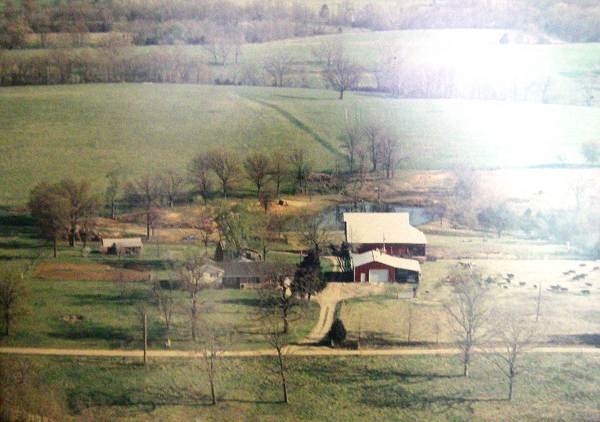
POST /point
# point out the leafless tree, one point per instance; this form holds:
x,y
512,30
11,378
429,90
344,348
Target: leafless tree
x,y
215,338
301,168
165,301
515,334
326,52
145,191
277,300
113,190
389,154
342,74
12,294
225,165
50,210
279,66
313,232
468,311
191,272
279,340
172,185
207,226
352,140
278,170
372,132
257,166
199,172
83,204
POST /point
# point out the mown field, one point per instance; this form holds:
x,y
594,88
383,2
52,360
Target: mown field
x,y
553,387
85,131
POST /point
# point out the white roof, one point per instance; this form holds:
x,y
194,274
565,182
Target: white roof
x,y
381,227
129,242
359,259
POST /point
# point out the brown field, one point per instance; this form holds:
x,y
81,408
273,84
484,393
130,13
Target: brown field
x,y
89,272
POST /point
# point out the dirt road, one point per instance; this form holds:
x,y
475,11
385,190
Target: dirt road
x,y
293,350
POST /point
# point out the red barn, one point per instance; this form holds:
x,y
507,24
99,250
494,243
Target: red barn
x,y
390,232
375,266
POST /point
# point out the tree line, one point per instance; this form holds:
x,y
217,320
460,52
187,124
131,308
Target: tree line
x,y
186,21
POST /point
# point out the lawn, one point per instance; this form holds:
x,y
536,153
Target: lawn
x,y
86,130
553,387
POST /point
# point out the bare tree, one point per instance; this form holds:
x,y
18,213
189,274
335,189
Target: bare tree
x,y
257,166
83,204
207,227
279,66
165,301
277,300
172,185
12,294
278,170
515,335
113,190
145,191
279,340
389,154
372,132
326,52
352,140
342,74
226,167
192,274
313,231
301,168
199,172
214,341
468,311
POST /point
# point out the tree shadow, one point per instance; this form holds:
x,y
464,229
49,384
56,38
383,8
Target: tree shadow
x,y
89,330
245,301
131,298
584,339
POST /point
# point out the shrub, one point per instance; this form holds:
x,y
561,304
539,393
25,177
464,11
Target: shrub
x,y
337,333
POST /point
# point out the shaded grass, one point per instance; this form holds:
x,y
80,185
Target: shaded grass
x,y
326,388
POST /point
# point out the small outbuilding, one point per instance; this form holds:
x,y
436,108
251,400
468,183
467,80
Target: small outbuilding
x,y
375,266
248,274
122,246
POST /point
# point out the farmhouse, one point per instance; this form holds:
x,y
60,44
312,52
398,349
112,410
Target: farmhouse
x,y
121,246
391,233
242,274
211,273
375,266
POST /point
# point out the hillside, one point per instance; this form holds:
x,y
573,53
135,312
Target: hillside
x,y
85,130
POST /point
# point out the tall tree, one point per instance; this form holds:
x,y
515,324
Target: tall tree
x,y
308,278
388,147
83,204
301,168
468,311
214,341
165,302
279,66
226,167
145,192
172,186
199,172
50,209
257,166
278,301
12,294
342,74
278,170
352,140
113,190
192,274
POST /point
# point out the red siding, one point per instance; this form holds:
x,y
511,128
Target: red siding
x,y
373,266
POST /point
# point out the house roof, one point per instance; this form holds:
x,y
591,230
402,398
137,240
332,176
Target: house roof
x,y
376,255
129,242
381,227
254,269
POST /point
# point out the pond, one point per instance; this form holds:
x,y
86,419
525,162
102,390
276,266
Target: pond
x,y
333,216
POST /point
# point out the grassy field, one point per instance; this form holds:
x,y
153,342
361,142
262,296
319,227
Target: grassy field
x,y
84,131
565,317
329,389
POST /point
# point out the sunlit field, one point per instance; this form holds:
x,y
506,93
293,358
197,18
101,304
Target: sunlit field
x,y
86,130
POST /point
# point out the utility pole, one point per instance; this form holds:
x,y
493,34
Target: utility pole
x,y
539,300
145,337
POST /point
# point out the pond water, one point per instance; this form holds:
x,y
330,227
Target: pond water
x,y
333,216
